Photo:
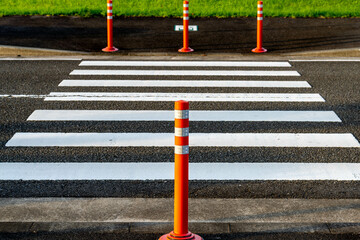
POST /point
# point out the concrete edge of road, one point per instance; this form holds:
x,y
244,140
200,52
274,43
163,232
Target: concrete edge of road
x,y
18,52
343,53
154,215
163,228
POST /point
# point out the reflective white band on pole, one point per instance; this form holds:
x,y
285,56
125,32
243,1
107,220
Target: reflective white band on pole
x,y
181,114
181,132
181,149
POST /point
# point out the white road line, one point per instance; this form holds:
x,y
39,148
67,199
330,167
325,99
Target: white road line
x,y
40,59
28,139
21,96
184,73
201,97
325,60
184,64
159,115
165,171
183,83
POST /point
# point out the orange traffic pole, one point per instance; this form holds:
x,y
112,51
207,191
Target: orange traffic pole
x,y
181,192
110,47
186,28
259,48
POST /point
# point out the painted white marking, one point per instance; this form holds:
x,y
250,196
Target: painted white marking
x,y
109,17
40,59
184,63
183,83
28,139
186,18
22,96
325,60
184,73
201,97
158,115
165,171
260,18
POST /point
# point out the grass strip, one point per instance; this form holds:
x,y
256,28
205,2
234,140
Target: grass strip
x,y
173,8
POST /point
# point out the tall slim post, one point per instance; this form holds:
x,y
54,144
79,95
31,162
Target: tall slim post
x,y
181,189
259,38
186,28
110,47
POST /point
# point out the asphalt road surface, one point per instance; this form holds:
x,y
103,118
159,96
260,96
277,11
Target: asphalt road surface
x,y
234,35
26,84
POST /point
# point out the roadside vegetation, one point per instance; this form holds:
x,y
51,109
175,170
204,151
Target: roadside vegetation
x,y
173,8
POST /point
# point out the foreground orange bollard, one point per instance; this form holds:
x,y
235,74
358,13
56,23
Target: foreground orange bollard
x,y
259,48
110,47
186,28
181,231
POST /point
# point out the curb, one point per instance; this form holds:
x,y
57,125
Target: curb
x,y
155,215
195,227
7,51
21,52
344,52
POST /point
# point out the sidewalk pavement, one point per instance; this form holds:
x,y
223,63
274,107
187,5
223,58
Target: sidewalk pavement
x,y
155,215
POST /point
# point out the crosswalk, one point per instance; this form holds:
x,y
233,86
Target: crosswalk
x,y
229,76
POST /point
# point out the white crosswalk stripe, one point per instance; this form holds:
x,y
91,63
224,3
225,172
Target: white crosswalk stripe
x,y
182,83
161,115
184,73
184,64
28,139
198,171
201,97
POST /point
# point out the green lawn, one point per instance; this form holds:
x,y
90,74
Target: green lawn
x,y
173,8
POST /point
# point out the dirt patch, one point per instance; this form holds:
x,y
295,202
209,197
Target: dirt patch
x,y
230,35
